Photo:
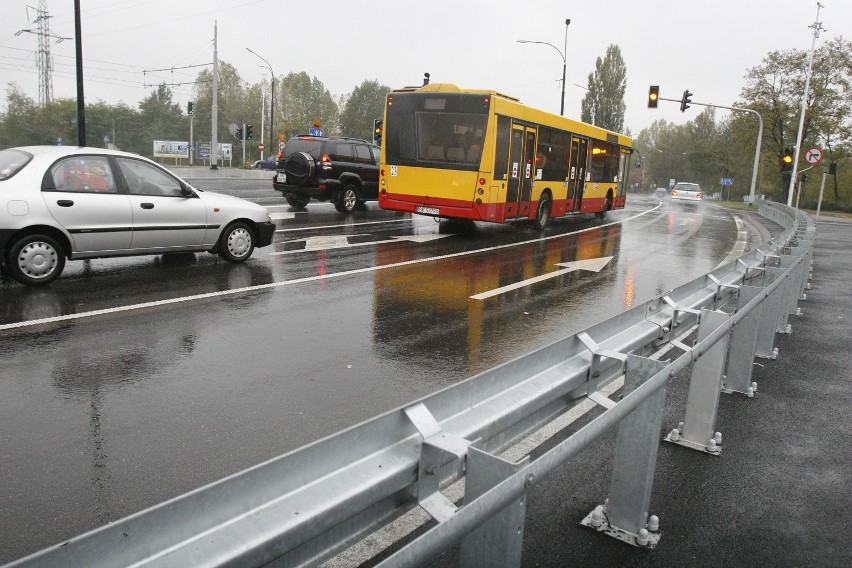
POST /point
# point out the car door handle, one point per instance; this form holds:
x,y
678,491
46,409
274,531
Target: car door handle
x,y
147,205
65,203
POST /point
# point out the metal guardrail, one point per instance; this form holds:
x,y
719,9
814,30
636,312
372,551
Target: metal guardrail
x,y
308,505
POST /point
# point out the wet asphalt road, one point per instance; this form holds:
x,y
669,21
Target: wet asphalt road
x,y
157,375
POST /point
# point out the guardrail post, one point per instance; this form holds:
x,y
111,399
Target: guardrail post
x,y
743,346
788,292
705,385
768,318
625,514
498,542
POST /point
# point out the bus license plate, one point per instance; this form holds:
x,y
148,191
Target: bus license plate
x,y
282,178
428,210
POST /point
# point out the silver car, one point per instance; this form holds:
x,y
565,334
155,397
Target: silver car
x,y
687,192
59,203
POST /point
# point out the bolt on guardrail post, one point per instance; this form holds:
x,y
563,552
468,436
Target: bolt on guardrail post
x,y
743,346
625,513
705,386
498,542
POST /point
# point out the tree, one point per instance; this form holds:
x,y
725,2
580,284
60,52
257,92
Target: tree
x,y
775,89
365,104
302,99
603,104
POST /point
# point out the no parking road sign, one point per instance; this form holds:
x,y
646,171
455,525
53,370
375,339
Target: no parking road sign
x,y
813,155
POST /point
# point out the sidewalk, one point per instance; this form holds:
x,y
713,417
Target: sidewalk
x,y
780,494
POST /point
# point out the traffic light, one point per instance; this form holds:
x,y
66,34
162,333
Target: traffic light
x,y
787,160
653,96
685,100
238,133
189,106
377,131
248,132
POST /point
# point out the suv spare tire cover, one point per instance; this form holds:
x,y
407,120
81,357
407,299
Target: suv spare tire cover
x,y
299,168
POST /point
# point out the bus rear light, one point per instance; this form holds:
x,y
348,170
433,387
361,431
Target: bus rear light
x,y
481,181
478,201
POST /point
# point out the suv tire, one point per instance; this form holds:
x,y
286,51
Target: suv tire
x,y
347,200
299,168
298,201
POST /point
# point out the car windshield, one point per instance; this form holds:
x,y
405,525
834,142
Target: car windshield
x,y
11,162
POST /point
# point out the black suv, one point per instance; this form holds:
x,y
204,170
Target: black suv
x,y
344,171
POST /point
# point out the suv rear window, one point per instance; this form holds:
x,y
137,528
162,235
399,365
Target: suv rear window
x,y
308,145
11,162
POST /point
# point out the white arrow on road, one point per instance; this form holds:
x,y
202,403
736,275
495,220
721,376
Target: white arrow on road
x,y
592,265
328,242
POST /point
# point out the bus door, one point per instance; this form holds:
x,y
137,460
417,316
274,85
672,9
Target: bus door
x,y
577,172
521,171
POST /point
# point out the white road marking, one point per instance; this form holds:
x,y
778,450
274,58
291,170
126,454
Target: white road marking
x,y
329,242
285,215
739,247
339,226
271,285
594,265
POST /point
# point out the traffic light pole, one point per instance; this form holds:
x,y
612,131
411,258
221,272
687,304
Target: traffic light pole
x,y
757,146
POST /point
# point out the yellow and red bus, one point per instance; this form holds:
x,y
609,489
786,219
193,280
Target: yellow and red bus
x,y
481,155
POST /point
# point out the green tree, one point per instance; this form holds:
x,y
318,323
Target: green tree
x,y
365,104
603,104
775,89
301,100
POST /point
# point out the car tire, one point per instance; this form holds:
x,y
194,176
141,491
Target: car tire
x,y
299,168
298,201
347,200
237,242
35,260
542,215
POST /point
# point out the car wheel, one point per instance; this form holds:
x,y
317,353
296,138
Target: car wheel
x,y
299,202
347,199
35,260
237,242
542,216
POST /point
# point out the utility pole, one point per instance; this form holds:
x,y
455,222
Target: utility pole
x,y
817,27
81,101
214,142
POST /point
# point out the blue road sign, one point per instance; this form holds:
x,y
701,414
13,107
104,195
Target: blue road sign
x,y
726,181
315,131
59,140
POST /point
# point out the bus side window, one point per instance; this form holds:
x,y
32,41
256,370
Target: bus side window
x,y
501,152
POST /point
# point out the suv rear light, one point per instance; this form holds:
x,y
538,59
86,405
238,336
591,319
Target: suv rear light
x,y
325,162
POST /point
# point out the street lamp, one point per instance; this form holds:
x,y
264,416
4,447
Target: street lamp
x,y
563,53
271,101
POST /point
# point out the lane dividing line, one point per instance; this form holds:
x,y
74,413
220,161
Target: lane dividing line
x,y
271,285
339,226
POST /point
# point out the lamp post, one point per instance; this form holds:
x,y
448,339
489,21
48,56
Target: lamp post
x,y
563,53
271,99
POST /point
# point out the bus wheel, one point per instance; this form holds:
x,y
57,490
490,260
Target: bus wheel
x,y
542,216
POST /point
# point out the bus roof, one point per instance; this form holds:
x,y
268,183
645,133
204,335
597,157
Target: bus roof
x,y
453,88
601,133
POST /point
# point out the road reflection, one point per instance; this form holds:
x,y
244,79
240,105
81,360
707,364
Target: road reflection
x,y
423,312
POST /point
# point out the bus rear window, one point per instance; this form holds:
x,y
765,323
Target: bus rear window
x,y
422,129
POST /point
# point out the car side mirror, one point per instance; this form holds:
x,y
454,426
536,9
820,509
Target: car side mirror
x,y
185,190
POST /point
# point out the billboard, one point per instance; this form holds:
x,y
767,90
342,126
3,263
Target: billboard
x,y
171,149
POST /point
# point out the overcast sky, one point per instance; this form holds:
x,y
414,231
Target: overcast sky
x,y
703,46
